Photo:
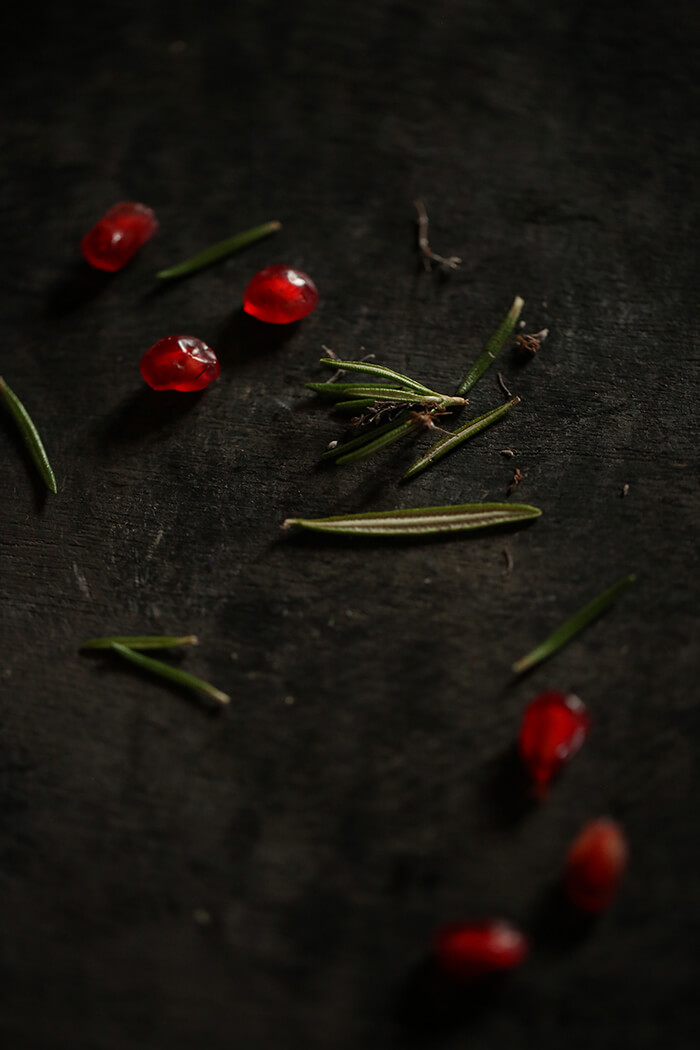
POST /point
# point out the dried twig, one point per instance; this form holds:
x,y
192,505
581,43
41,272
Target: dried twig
x,y
508,558
517,478
429,255
502,384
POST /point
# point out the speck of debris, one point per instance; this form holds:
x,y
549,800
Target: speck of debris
x,y
625,490
508,558
201,916
527,343
517,478
507,452
289,700
332,444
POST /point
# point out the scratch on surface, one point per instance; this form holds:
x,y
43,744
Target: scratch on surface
x,y
82,582
159,537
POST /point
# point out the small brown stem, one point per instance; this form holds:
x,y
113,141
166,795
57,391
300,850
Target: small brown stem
x,y
502,384
429,256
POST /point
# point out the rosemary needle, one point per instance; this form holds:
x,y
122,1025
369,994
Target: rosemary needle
x,y
30,435
219,251
142,641
456,437
568,630
173,674
493,347
420,521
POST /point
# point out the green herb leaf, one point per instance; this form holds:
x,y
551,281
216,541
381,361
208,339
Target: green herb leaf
x,y
173,674
30,435
451,441
143,641
342,391
568,630
380,441
376,370
420,521
220,251
493,347
368,435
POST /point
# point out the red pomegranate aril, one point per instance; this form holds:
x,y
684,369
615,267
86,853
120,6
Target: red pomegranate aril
x,y
179,362
595,865
280,295
469,950
119,234
552,731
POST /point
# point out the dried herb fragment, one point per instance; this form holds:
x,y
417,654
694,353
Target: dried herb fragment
x,y
172,674
493,347
30,435
142,641
453,440
429,256
219,251
528,343
420,521
572,627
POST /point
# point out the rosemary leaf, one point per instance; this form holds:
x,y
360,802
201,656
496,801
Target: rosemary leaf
x,y
380,441
463,433
368,435
219,251
377,370
173,674
30,435
493,347
348,408
568,630
420,521
143,641
343,391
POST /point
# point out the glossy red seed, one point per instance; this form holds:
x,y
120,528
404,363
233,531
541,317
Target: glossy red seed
x,y
179,362
553,729
466,951
279,295
119,234
595,865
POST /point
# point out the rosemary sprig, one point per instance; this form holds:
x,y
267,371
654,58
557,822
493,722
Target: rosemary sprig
x,y
568,630
420,521
377,370
493,347
30,435
367,436
173,674
142,641
451,441
219,251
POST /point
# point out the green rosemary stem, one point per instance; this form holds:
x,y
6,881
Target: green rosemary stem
x,y
173,674
143,641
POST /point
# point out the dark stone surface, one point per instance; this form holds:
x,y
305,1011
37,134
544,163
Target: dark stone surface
x,y
556,148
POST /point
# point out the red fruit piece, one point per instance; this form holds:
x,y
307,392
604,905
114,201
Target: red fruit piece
x,y
595,865
279,295
179,362
466,951
553,729
119,234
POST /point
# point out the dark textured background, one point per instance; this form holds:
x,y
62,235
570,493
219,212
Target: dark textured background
x,y
361,786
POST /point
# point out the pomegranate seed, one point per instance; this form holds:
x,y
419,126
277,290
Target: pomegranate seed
x,y
179,362
118,235
552,731
279,295
595,865
469,950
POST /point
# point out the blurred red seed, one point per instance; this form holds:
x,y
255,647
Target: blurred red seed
x,y
466,951
119,234
552,731
595,865
280,295
179,362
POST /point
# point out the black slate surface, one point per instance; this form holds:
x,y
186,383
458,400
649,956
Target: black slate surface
x,y
361,787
